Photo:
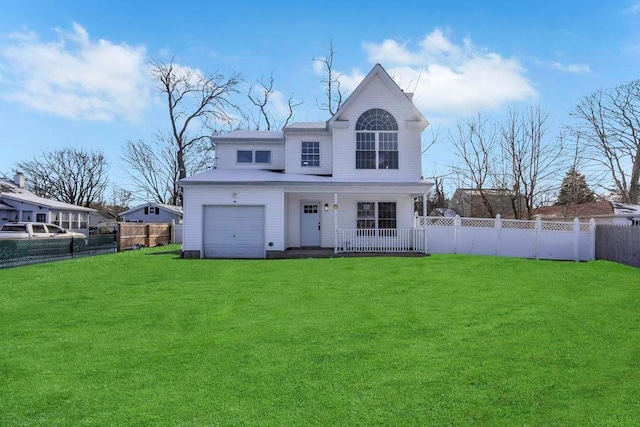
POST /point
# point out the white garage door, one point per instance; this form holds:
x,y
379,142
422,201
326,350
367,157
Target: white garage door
x,y
234,232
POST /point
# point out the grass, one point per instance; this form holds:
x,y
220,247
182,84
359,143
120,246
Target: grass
x,y
139,338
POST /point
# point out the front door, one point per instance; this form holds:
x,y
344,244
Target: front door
x,y
310,224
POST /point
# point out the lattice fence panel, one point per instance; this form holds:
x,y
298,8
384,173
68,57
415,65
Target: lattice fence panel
x,y
557,226
478,222
519,225
441,222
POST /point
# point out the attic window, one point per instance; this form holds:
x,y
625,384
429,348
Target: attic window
x,y
151,210
376,140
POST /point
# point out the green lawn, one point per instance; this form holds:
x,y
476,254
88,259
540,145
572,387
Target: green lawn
x,y
139,338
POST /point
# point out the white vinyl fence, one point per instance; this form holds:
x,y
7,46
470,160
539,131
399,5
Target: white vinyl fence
x,y
176,233
506,237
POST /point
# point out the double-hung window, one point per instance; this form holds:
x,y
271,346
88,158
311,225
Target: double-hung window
x,y
376,216
310,154
376,140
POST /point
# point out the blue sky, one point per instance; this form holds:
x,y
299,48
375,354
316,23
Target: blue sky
x,y
74,74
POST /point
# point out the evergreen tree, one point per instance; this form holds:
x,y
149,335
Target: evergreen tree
x,y
574,189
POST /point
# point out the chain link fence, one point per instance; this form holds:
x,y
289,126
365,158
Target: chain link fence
x,y
14,253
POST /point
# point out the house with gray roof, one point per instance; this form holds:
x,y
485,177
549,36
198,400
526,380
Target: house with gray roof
x,y
17,203
152,212
346,184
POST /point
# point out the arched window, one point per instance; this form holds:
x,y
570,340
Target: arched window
x,y
376,140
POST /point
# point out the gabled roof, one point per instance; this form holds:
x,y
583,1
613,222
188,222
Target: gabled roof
x,y
9,191
170,208
379,71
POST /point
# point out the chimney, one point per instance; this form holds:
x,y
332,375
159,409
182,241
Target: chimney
x,y
19,180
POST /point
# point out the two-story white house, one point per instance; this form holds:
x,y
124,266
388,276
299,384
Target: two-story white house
x,y
348,183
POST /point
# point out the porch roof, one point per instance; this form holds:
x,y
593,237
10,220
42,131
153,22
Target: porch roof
x,y
311,182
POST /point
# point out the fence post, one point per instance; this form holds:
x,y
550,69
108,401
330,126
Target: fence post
x,y
498,227
592,239
172,234
457,223
576,238
118,236
148,236
538,230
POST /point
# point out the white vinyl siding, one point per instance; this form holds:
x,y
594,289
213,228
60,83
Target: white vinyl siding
x,y
377,95
227,155
196,198
294,154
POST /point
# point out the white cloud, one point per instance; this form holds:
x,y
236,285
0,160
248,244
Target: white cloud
x,y
572,68
74,76
634,9
449,78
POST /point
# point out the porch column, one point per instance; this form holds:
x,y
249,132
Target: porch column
x,y
424,220
335,223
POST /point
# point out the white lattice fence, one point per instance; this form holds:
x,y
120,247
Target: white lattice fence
x,y
518,238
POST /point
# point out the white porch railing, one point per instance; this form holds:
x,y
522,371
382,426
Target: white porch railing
x,y
393,240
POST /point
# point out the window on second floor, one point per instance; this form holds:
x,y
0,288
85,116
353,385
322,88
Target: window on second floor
x,y
376,140
244,156
250,156
263,156
310,154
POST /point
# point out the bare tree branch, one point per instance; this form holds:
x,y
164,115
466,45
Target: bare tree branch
x,y
331,80
74,176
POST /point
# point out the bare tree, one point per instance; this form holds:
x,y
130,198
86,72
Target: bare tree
x,y
196,103
70,175
510,161
154,169
331,81
609,122
475,141
531,160
262,100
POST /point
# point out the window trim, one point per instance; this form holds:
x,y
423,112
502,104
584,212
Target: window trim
x,y
255,157
382,125
376,219
310,154
238,161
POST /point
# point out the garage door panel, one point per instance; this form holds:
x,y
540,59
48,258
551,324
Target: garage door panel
x,y
234,232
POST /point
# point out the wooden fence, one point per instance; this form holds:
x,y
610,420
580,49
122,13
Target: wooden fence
x,y
136,235
618,243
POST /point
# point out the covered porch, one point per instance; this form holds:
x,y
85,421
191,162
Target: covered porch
x,y
355,219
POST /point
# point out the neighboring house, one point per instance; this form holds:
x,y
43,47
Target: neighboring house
x,y
470,202
351,180
102,216
19,204
604,212
153,212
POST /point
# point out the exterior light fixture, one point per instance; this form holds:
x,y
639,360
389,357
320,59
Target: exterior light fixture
x,y
326,207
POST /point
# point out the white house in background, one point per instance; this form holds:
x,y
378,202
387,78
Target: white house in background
x,y
153,212
19,204
348,183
